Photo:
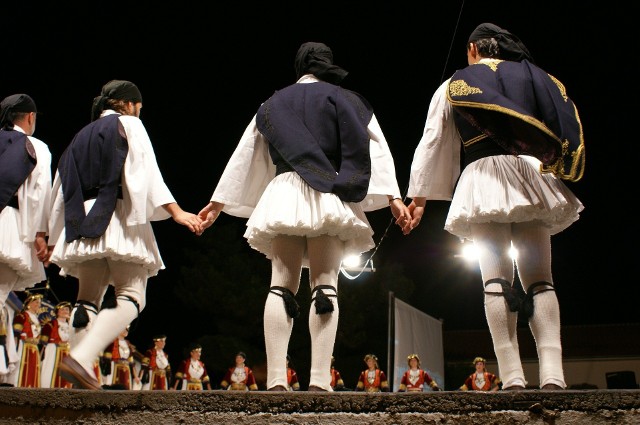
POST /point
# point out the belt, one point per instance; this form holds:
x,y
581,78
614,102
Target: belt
x,y
238,386
13,202
93,193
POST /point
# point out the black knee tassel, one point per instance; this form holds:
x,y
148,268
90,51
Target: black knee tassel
x,y
290,304
322,302
81,317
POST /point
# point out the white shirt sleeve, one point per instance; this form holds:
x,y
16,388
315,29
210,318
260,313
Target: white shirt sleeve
x,y
383,172
246,175
144,189
34,196
436,162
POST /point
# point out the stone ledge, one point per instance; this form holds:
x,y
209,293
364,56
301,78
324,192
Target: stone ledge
x,y
58,406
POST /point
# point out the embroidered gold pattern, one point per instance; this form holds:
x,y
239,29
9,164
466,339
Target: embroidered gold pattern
x,y
563,91
493,64
461,88
474,140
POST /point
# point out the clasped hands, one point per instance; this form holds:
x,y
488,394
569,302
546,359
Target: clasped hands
x,y
407,217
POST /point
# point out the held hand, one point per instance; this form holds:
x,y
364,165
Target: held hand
x,y
189,220
47,262
210,213
416,214
400,212
42,250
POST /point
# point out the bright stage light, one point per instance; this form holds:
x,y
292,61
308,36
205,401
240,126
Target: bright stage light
x,y
352,264
469,252
351,261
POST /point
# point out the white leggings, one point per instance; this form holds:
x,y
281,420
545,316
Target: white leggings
x,y
325,256
94,276
8,280
532,241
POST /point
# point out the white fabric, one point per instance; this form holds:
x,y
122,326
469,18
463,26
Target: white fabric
x,y
326,254
248,188
129,236
18,228
503,328
306,212
545,328
10,359
51,352
286,267
106,326
416,332
196,369
519,191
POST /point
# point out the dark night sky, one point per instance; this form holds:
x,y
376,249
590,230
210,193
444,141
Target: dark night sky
x,y
204,70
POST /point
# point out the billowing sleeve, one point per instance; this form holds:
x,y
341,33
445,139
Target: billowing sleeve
x,y
436,162
56,219
383,172
246,175
34,195
144,189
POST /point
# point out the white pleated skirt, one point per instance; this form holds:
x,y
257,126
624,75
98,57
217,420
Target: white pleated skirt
x,y
289,206
135,244
18,255
510,189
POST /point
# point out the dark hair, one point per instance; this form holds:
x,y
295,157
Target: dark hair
x,y
488,48
118,105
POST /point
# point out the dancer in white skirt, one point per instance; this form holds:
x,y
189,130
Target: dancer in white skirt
x,y
25,201
521,135
107,191
311,162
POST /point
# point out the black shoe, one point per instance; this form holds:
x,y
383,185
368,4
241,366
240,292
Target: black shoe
x,y
73,372
277,388
315,389
514,388
551,387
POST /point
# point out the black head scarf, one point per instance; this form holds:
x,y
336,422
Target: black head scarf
x,y
15,103
511,48
317,59
117,90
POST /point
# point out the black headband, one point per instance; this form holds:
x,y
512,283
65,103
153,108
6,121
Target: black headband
x,y
15,103
511,48
317,59
117,90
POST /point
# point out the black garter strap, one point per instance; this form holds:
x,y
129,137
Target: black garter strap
x,y
322,301
81,317
290,304
515,301
510,294
132,300
527,302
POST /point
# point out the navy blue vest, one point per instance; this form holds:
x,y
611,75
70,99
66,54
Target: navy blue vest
x,y
524,110
320,131
17,161
91,167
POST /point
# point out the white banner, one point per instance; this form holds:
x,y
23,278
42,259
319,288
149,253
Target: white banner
x,y
415,332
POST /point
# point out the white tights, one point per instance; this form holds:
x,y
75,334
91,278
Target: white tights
x,y
325,255
533,244
130,282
